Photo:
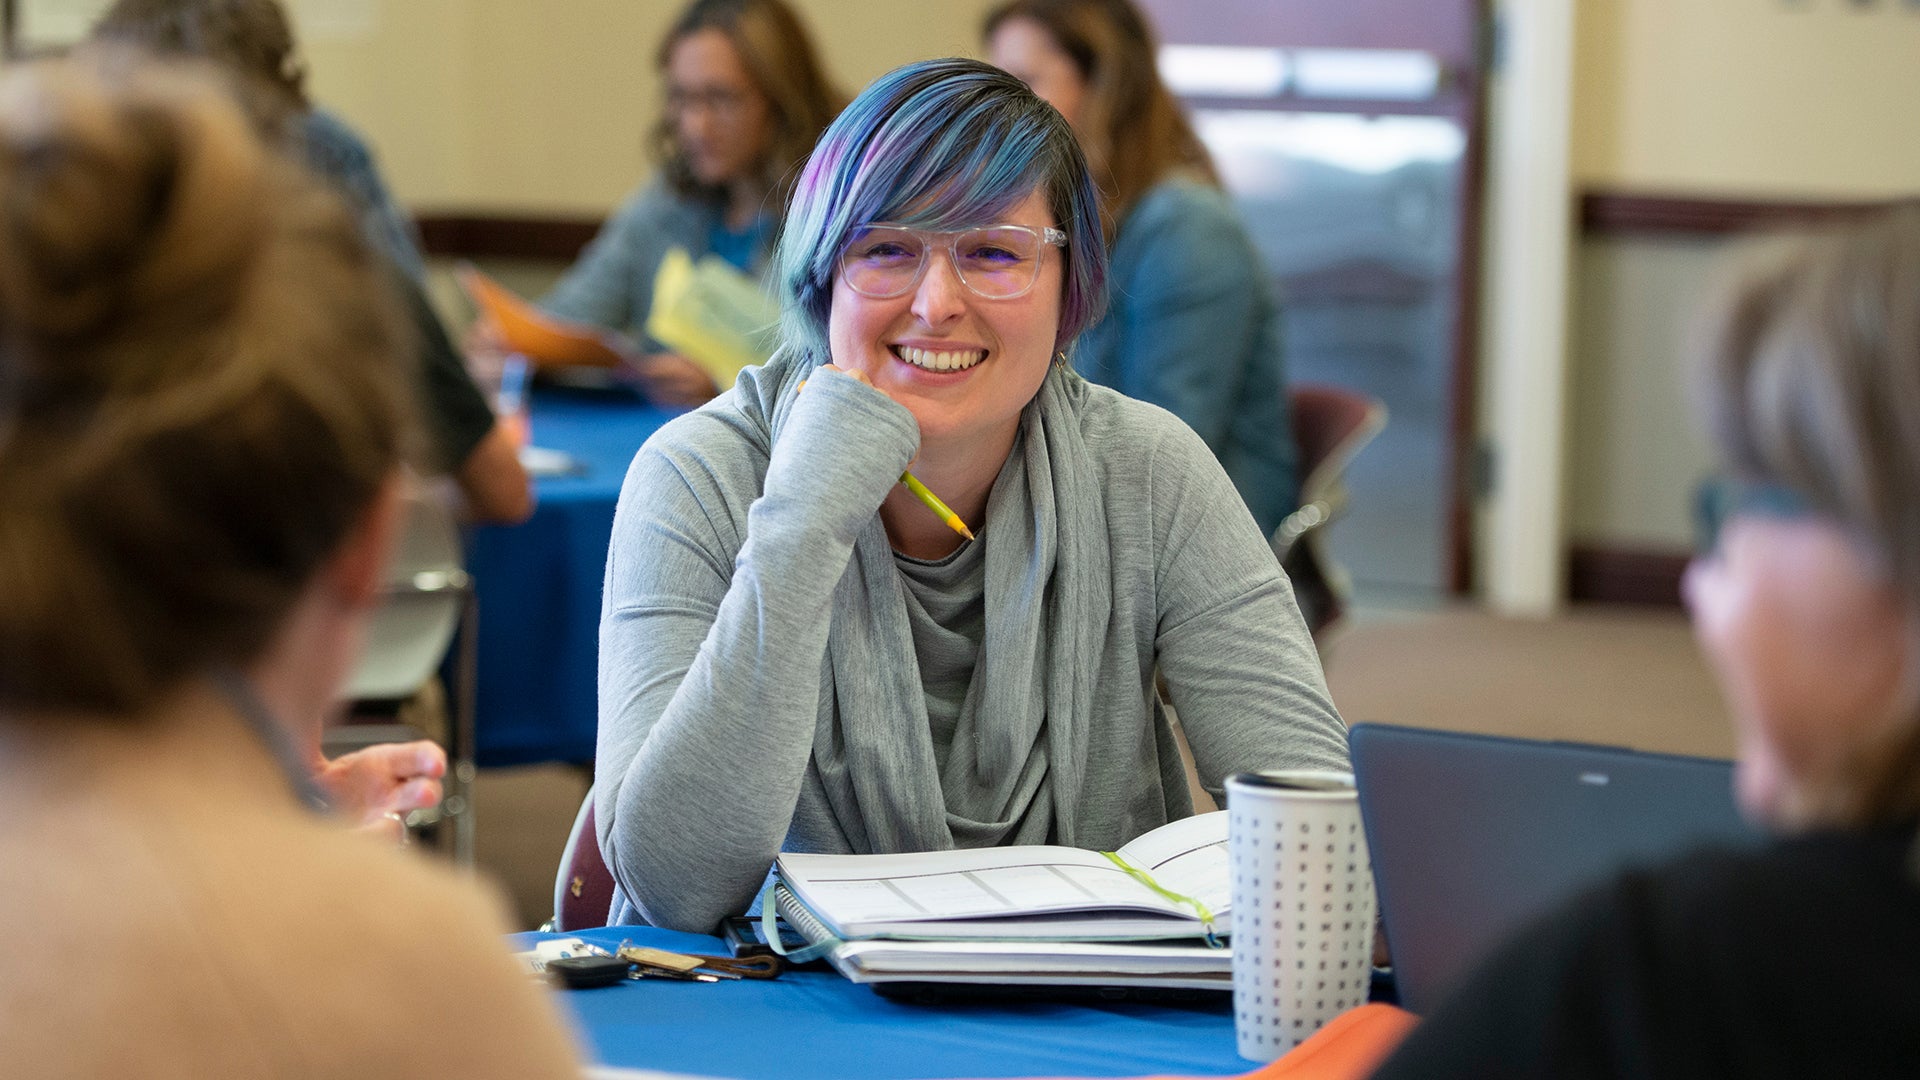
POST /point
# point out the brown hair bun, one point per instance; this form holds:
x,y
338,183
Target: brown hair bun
x,y
121,189
201,382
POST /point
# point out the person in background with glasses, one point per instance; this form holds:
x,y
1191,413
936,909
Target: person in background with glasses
x,y
202,423
746,96
796,653
1192,325
1796,959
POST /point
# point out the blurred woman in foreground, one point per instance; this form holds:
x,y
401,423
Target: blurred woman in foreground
x,y
1796,960
201,427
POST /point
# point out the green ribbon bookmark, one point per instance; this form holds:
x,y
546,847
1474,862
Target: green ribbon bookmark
x,y
1144,878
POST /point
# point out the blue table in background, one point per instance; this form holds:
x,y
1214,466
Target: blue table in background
x,y
539,583
813,1023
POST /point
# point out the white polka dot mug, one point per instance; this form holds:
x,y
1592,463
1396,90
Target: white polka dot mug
x,y
1302,906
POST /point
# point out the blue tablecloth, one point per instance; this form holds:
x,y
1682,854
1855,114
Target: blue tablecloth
x,y
813,1023
539,583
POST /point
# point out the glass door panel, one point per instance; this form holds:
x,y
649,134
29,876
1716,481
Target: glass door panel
x,y
1357,217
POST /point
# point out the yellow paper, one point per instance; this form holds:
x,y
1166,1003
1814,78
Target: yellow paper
x,y
712,314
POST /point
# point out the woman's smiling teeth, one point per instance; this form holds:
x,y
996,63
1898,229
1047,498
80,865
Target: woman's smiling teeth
x,y
934,360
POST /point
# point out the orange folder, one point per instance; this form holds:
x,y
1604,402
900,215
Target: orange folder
x,y
1349,1047
541,338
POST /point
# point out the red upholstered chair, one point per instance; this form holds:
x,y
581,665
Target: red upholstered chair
x,y
1330,425
583,891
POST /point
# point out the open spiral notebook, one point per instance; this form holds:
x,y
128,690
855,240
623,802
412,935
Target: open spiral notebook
x,y
1149,914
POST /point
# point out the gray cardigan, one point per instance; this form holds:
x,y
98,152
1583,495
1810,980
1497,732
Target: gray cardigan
x,y
719,745
611,283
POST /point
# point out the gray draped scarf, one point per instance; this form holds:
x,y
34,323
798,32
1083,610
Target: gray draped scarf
x,y
1014,773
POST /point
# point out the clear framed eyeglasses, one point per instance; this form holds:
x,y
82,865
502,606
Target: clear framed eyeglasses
x,y
998,262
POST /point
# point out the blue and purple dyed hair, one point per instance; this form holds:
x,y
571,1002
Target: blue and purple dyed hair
x,y
940,144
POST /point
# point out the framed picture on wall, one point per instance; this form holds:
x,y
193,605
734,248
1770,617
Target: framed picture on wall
x,y
34,27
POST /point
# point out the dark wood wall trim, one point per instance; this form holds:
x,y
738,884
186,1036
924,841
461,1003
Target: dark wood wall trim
x,y
1615,575
514,236
1604,212
1623,575
505,236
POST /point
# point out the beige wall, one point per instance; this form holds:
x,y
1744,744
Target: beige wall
x,y
513,106
509,105
1635,454
1766,98
393,72
1744,99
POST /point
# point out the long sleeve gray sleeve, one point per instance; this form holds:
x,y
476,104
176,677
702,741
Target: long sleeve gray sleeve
x,y
611,283
710,661
605,284
1241,669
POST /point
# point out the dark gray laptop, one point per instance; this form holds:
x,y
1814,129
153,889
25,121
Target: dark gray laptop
x,y
1472,835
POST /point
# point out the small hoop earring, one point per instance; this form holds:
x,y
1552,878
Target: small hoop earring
x,y
1060,358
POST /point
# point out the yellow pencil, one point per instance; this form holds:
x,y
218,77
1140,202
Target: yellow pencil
x,y
934,504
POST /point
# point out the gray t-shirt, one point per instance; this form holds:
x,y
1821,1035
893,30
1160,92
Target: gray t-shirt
x,y
947,606
773,677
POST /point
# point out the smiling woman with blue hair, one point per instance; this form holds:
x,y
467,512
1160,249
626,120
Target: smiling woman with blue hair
x,y
797,654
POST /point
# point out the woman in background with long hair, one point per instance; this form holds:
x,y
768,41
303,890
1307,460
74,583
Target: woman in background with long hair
x,y
1191,324
746,97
